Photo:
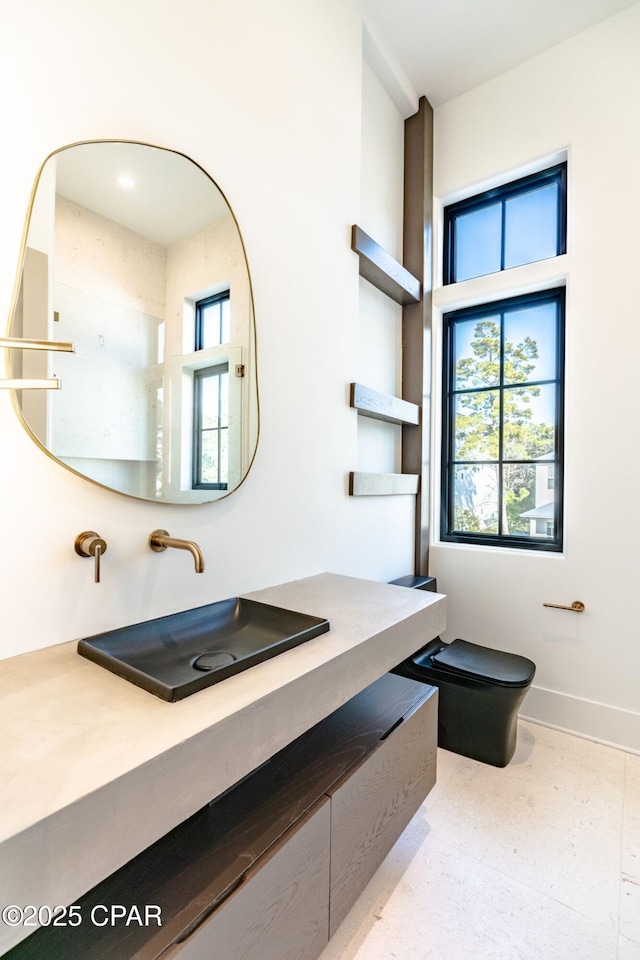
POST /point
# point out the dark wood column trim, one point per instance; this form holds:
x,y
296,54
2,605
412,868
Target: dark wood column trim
x,y
416,317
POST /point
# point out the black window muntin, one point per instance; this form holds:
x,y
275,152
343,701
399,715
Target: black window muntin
x,y
199,431
556,174
449,464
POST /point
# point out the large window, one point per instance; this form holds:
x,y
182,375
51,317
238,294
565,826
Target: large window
x,y
503,422
521,222
503,394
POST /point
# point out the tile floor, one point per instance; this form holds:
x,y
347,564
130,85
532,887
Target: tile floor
x,y
536,861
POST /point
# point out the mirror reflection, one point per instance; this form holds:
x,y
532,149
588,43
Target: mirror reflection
x,y
134,255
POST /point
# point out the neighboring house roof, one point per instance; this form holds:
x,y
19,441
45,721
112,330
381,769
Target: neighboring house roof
x,y
543,512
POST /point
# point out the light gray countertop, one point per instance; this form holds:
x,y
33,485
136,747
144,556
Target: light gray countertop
x,y
94,769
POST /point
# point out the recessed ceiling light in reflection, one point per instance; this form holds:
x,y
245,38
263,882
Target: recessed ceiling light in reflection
x,y
126,182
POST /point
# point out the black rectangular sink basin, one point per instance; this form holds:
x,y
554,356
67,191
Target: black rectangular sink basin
x,y
178,655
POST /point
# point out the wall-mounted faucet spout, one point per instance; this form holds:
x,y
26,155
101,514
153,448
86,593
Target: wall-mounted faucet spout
x,y
160,540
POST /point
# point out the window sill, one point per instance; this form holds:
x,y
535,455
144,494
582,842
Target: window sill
x,y
542,275
493,550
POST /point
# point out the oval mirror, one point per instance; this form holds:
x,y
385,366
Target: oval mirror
x,y
133,255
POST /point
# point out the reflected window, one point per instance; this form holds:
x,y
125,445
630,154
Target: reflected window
x,y
211,427
213,321
520,222
503,422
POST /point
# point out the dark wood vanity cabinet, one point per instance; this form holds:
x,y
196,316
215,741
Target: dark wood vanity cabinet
x,y
295,897
280,911
372,804
269,870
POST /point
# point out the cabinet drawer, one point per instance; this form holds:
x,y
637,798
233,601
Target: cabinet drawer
x,y
280,911
372,805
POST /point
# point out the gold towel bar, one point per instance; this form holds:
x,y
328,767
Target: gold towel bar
x,y
18,343
29,384
577,606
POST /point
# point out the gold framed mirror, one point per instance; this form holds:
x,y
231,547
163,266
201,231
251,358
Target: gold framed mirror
x,y
133,254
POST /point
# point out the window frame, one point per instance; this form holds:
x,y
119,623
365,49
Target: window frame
x,y
223,296
448,534
203,373
555,174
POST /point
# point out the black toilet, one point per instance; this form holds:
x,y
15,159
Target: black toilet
x,y
480,691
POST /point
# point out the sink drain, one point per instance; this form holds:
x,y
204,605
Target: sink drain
x,y
213,661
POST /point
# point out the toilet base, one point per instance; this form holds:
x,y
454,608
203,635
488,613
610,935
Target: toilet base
x,y
477,718
475,726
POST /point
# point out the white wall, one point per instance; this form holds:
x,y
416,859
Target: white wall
x,y
380,328
102,258
266,97
584,96
105,411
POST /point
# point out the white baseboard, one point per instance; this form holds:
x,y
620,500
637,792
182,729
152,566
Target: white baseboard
x,y
583,718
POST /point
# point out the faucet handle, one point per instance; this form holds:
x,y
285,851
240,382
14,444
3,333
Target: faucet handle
x,y
89,544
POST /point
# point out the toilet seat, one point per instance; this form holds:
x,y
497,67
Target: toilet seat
x,y
469,660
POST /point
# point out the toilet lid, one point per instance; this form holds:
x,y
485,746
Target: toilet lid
x,y
470,660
